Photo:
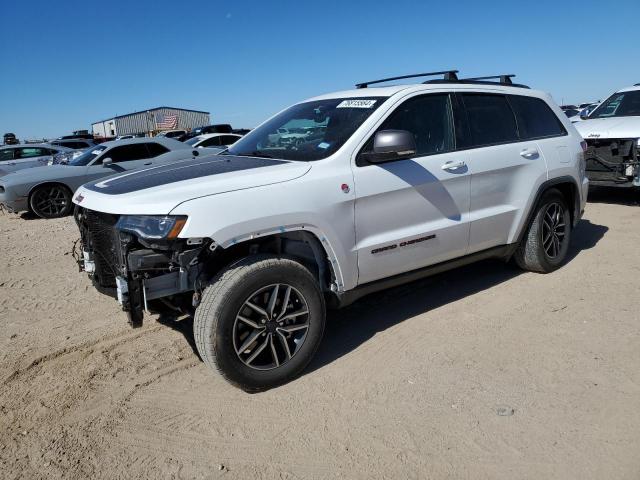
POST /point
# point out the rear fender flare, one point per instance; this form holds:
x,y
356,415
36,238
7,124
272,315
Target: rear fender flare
x,y
575,208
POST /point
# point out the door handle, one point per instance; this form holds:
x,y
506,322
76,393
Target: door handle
x,y
454,165
150,163
529,153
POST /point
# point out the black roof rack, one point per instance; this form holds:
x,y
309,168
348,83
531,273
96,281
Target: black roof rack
x,y
448,75
502,80
505,79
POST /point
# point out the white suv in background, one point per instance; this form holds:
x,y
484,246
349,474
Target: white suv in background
x,y
395,183
612,133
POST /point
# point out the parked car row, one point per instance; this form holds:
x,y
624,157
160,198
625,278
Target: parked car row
x,y
17,157
47,190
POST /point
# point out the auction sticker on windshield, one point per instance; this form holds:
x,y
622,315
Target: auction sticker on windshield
x,y
356,104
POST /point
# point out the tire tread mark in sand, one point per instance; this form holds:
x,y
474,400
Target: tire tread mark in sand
x,y
126,336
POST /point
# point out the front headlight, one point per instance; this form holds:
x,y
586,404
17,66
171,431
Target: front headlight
x,y
152,227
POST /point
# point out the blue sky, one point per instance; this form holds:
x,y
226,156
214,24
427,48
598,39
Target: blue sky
x,y
66,64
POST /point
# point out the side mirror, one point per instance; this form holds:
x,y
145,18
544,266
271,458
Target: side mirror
x,y
389,145
195,153
584,115
107,162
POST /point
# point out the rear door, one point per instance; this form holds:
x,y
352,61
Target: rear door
x,y
413,213
505,169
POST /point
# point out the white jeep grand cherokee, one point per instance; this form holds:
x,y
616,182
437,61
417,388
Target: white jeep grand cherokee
x,y
612,133
393,184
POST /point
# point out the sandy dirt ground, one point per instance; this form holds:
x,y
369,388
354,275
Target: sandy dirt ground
x,y
484,373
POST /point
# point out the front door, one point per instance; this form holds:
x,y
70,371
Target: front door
x,y
413,213
123,158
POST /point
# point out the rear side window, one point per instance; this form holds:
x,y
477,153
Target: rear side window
x,y
228,140
126,153
429,118
31,152
6,154
535,118
74,145
156,149
491,119
211,142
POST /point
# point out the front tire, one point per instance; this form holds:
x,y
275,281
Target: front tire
x,y
260,322
546,242
51,201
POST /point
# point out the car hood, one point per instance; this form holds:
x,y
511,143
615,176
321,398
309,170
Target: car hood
x,y
158,190
614,127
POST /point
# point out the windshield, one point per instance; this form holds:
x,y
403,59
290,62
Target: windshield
x,y
193,141
87,157
307,131
623,104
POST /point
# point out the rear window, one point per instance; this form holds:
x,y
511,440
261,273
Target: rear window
x,y
491,120
535,118
156,149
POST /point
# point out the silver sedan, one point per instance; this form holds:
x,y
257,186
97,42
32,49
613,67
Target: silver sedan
x,y
17,157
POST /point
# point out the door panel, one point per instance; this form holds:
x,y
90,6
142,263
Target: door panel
x,y
410,214
502,177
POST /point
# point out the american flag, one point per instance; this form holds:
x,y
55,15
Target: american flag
x,y
169,120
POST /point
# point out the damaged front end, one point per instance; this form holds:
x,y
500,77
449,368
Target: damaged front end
x,y
141,261
613,161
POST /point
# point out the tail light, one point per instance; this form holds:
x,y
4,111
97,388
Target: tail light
x,y
583,159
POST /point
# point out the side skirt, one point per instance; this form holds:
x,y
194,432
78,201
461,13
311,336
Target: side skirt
x,y
346,298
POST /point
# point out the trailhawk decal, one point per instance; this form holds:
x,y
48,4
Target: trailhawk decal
x,y
406,243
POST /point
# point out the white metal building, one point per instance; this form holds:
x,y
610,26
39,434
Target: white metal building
x,y
151,121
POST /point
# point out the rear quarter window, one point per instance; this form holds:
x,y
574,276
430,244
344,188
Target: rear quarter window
x,y
156,149
6,154
491,120
535,118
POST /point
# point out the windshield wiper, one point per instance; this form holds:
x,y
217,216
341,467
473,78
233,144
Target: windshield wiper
x,y
255,153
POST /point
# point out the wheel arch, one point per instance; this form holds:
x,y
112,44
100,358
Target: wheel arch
x,y
569,189
308,247
45,183
48,182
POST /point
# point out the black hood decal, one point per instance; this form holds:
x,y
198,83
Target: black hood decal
x,y
177,172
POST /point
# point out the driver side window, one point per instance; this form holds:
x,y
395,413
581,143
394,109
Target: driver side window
x,y
429,118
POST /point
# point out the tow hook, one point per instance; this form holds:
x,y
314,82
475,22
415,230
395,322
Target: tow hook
x,y
195,301
88,265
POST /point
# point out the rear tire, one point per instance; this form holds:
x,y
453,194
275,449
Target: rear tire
x,y
546,242
51,201
260,322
